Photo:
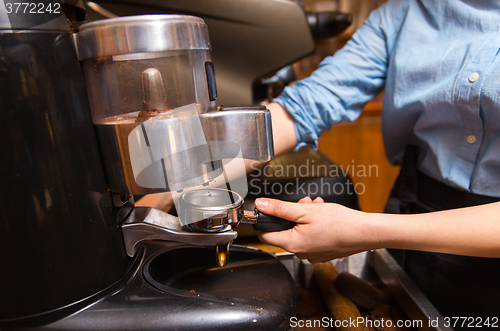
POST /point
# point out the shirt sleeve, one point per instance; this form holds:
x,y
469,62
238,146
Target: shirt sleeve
x,y
343,83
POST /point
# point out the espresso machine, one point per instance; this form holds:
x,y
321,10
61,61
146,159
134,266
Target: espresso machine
x,y
94,114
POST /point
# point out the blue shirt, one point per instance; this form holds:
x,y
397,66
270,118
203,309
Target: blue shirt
x,y
439,64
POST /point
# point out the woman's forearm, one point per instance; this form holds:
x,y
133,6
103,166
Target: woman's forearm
x,y
473,231
283,129
325,231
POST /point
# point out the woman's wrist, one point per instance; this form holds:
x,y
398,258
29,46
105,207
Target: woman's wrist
x,y
373,230
387,230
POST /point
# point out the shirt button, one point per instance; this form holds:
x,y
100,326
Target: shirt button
x,y
471,139
473,77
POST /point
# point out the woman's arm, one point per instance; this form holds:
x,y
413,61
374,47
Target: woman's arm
x,y
327,231
283,129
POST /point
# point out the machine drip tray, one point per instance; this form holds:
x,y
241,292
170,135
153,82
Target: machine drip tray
x,y
251,277
180,287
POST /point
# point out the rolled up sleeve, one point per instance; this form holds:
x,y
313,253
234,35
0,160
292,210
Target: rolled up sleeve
x,y
343,83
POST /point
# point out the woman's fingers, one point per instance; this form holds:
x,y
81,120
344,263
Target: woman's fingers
x,y
287,210
325,256
309,200
161,201
280,238
305,200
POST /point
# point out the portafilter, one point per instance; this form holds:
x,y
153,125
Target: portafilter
x,y
218,210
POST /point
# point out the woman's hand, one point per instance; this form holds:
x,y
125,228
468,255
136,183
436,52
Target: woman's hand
x,y
161,201
324,231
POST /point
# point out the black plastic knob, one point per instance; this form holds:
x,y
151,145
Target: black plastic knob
x,y
269,223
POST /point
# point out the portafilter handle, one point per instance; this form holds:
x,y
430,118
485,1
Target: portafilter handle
x,y
265,222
